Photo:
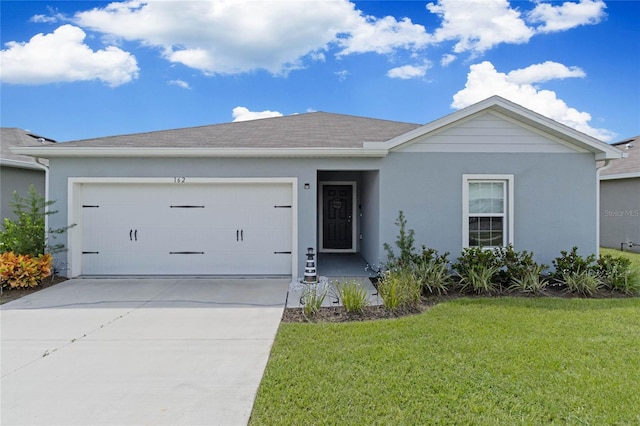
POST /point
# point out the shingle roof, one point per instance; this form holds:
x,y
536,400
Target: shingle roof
x,y
631,164
309,130
11,136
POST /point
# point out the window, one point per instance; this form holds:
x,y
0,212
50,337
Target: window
x,y
487,210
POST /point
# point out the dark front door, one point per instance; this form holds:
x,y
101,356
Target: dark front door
x,y
337,223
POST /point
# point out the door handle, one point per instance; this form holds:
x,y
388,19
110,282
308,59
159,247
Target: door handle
x,y
130,234
237,235
242,235
135,235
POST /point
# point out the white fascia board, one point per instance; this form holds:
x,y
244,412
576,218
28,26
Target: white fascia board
x,y
61,151
22,164
630,175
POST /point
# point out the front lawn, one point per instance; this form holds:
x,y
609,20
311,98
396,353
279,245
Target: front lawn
x,y
466,361
633,257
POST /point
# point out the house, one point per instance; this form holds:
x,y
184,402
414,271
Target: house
x,y
250,197
620,199
19,172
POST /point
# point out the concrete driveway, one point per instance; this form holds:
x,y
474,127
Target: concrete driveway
x,y
138,351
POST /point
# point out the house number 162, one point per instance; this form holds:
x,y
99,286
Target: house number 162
x,y
179,179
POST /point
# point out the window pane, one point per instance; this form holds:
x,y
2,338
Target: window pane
x,y
486,197
486,231
497,190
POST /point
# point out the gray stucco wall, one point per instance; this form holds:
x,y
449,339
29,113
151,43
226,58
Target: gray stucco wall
x,y
620,213
555,199
555,194
18,179
305,170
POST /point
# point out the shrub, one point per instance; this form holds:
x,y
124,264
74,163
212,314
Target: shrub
x,y
354,296
529,281
18,270
573,263
405,242
426,270
516,265
617,274
478,269
399,289
432,271
26,234
480,279
312,298
584,282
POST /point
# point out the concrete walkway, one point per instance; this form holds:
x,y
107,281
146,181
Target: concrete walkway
x,y
138,351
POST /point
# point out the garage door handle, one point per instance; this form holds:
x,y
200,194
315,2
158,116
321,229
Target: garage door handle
x,y
130,234
242,235
237,235
135,235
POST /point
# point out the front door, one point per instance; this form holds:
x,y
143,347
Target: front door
x,y
337,217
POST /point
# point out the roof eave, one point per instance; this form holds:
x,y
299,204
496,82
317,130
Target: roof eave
x,y
22,164
629,175
60,152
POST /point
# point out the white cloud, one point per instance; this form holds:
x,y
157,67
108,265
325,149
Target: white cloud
x,y
447,59
53,17
342,74
241,113
226,37
62,56
43,19
407,72
479,25
546,71
484,81
568,15
383,36
239,36
235,36
180,83
317,56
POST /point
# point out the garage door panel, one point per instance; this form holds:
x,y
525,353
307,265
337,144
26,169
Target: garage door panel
x,y
216,228
270,239
251,262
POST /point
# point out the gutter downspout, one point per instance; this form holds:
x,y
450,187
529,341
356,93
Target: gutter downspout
x,y
46,196
607,164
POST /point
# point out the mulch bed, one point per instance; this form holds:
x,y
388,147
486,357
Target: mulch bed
x,y
339,314
335,314
10,294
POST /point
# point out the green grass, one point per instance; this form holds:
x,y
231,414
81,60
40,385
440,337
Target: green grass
x,y
480,361
634,257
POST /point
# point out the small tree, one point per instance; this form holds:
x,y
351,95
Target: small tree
x,y
26,234
405,242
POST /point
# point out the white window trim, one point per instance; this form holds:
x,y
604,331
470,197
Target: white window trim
x,y
509,214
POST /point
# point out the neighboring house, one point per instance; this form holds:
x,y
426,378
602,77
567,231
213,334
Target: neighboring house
x,y
620,199
19,172
250,197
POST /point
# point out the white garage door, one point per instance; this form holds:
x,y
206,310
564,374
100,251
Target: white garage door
x,y
187,229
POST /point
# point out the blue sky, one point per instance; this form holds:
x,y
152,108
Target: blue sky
x,y
74,70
